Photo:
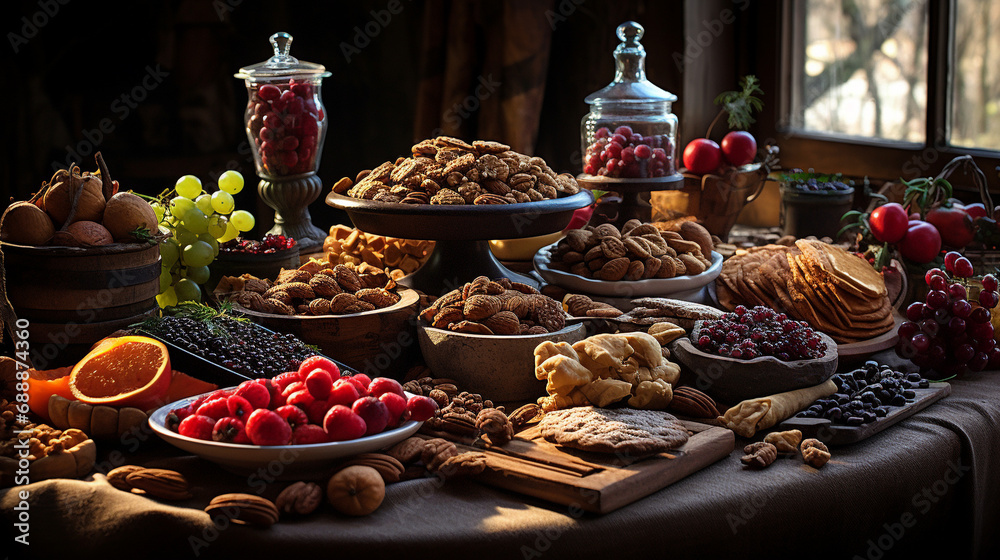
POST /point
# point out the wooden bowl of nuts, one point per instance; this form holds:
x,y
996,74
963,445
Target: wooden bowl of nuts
x,y
370,329
483,335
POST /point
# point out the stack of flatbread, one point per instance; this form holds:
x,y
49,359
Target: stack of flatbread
x,y
835,291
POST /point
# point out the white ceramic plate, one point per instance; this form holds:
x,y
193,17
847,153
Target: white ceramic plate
x,y
678,287
280,461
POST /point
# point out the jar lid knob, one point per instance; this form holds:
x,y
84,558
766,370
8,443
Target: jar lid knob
x,y
630,32
282,43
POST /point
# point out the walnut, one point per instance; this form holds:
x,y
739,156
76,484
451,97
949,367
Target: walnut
x,y
814,452
464,464
440,397
436,452
301,497
785,442
494,425
759,455
520,418
408,450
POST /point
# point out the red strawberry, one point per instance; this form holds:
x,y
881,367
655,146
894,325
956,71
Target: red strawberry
x,y
319,382
313,362
301,399
421,408
285,379
342,424
292,387
396,405
214,408
239,407
230,430
344,392
257,394
382,385
271,390
359,384
266,427
308,433
294,415
197,426
175,416
316,410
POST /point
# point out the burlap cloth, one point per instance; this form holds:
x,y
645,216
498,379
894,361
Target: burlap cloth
x,y
929,485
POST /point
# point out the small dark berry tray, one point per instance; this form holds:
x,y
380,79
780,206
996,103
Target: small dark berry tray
x,y
194,365
842,434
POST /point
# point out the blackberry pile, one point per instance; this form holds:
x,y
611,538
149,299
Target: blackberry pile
x,y
241,346
866,394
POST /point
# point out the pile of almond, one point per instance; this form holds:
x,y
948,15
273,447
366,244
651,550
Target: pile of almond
x,y
636,252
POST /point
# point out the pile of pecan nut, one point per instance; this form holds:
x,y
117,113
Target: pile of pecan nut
x,y
497,307
447,170
326,291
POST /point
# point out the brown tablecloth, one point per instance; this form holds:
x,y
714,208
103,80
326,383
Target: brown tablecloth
x,y
930,484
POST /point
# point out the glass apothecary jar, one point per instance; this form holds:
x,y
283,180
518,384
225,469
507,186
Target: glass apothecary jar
x,y
630,131
285,118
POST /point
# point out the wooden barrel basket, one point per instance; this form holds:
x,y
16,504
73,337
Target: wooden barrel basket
x,y
75,296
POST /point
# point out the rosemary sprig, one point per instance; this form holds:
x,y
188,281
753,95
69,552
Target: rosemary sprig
x,y
739,105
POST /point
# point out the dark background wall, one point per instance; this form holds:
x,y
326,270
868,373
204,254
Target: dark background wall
x,y
71,69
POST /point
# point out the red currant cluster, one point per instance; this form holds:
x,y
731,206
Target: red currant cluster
x,y
285,122
628,154
269,244
946,332
761,331
314,404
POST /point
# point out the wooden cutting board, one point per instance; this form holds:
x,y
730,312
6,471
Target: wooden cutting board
x,y
597,482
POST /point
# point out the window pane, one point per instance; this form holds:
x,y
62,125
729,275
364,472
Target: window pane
x,y
976,122
864,69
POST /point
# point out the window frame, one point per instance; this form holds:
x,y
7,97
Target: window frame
x,y
878,159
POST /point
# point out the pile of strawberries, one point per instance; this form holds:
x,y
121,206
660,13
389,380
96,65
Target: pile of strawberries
x,y
314,404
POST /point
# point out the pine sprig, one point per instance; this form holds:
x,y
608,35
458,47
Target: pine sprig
x,y
740,105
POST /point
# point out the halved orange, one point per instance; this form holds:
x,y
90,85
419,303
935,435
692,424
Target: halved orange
x,y
124,371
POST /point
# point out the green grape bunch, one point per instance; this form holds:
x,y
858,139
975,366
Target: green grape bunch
x,y
197,222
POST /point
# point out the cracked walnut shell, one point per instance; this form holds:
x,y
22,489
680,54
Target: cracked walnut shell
x,y
301,497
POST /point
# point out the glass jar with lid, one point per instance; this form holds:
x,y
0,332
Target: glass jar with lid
x,y
630,131
285,118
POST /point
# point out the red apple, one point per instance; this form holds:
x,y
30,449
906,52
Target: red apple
x,y
396,405
343,392
739,148
421,408
266,427
921,244
702,156
382,385
373,412
342,424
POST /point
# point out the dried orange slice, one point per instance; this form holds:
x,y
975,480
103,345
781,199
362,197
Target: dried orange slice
x,y
124,371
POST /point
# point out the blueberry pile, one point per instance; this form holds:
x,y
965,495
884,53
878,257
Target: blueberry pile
x,y
866,394
239,345
815,182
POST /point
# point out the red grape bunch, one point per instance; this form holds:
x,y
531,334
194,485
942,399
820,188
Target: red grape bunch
x,y
946,333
